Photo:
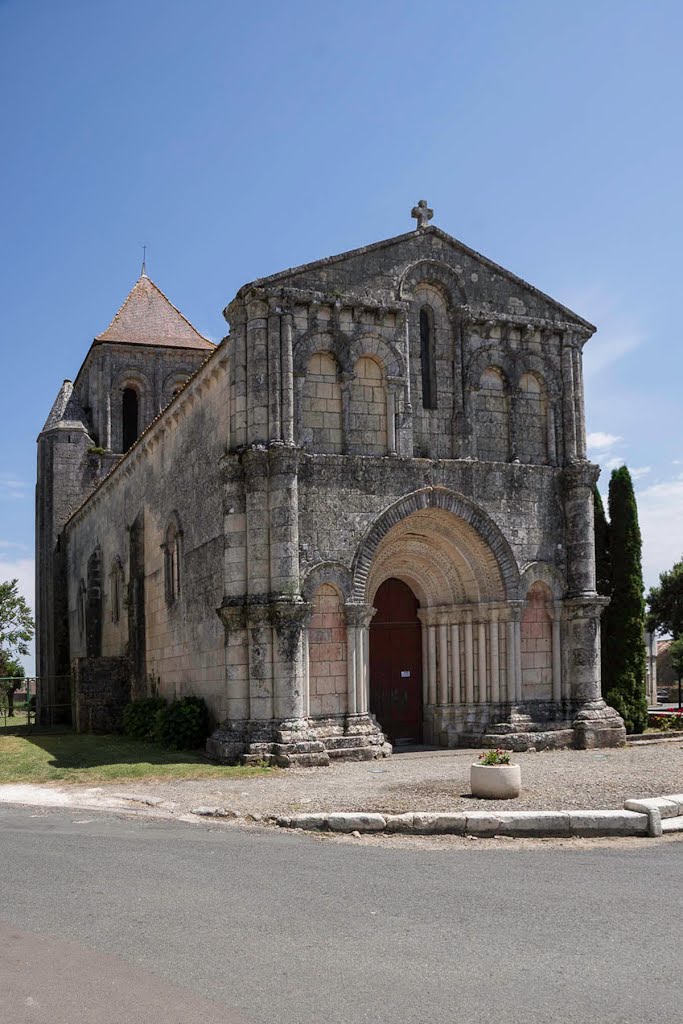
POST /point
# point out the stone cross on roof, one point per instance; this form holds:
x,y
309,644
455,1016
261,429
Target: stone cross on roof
x,y
422,214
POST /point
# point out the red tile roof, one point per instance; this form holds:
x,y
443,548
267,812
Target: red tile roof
x,y
148,318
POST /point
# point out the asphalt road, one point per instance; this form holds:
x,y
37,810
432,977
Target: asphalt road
x,y
128,921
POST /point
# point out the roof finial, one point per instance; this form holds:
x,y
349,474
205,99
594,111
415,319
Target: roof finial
x,y
143,272
422,214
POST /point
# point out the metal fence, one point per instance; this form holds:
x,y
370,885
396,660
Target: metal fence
x,y
35,702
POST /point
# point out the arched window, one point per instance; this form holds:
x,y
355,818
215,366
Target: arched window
x,y
327,669
427,358
116,580
532,414
537,643
80,608
129,417
321,405
491,417
171,548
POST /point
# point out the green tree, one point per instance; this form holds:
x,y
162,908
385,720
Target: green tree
x,y
676,654
12,675
603,569
16,632
665,602
16,622
624,682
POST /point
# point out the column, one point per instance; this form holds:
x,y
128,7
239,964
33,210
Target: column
x,y
579,404
431,654
283,505
481,670
391,419
568,406
306,676
425,663
510,662
274,421
596,724
346,385
351,690
518,657
443,663
557,652
287,380
552,441
238,331
469,660
257,371
579,480
290,658
456,696
495,664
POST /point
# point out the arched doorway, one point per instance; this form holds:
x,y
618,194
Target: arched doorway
x,y
396,662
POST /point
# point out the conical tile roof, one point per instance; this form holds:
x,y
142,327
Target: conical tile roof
x,y
148,318
66,409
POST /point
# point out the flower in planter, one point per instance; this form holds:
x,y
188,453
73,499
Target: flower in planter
x,y
497,756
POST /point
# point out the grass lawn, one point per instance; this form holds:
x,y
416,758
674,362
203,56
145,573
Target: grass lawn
x,y
94,759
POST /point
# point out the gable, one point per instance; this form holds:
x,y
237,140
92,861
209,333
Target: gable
x,y
382,272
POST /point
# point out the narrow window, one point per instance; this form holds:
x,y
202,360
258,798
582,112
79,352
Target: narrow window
x,y
129,411
171,548
427,358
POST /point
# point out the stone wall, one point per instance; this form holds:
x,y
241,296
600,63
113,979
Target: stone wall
x,y
171,476
101,690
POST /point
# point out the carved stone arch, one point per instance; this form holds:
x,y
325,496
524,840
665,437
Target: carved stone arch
x,y
450,501
335,573
130,378
173,383
382,351
315,340
541,572
490,357
436,273
138,382
540,367
172,548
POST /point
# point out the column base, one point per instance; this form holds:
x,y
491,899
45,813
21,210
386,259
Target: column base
x,y
306,742
598,725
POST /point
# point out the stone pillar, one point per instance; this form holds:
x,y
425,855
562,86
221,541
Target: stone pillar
x,y
274,384
579,403
578,481
236,662
510,661
495,663
287,380
255,464
469,659
425,664
307,675
557,651
260,636
552,440
456,696
238,332
596,724
358,618
443,663
346,385
431,653
283,502
391,419
568,405
518,655
288,619
481,667
257,370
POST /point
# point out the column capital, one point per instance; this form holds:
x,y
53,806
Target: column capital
x,y
579,473
588,606
359,614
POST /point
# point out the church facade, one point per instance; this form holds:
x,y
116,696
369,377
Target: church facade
x,y
365,518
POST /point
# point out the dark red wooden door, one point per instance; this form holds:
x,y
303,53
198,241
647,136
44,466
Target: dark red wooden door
x,y
396,662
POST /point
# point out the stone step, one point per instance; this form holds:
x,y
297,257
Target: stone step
x,y
548,739
359,753
673,824
313,760
301,747
344,742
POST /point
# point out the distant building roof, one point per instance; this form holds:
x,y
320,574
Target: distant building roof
x,y
148,318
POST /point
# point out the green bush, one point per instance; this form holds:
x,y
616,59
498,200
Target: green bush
x,y
183,724
139,717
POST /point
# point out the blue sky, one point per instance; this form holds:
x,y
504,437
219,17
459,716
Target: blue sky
x,y
238,139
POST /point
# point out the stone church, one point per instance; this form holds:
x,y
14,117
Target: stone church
x,y
364,518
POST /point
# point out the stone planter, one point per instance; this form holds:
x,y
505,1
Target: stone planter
x,y
495,781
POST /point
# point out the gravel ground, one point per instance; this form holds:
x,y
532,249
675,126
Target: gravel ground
x,y
434,781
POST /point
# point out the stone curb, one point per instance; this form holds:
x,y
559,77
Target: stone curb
x,y
650,816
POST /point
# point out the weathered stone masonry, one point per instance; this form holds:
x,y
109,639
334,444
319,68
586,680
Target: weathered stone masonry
x,y
408,411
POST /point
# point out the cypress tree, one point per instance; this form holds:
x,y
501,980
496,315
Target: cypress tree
x,y
624,687
603,574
